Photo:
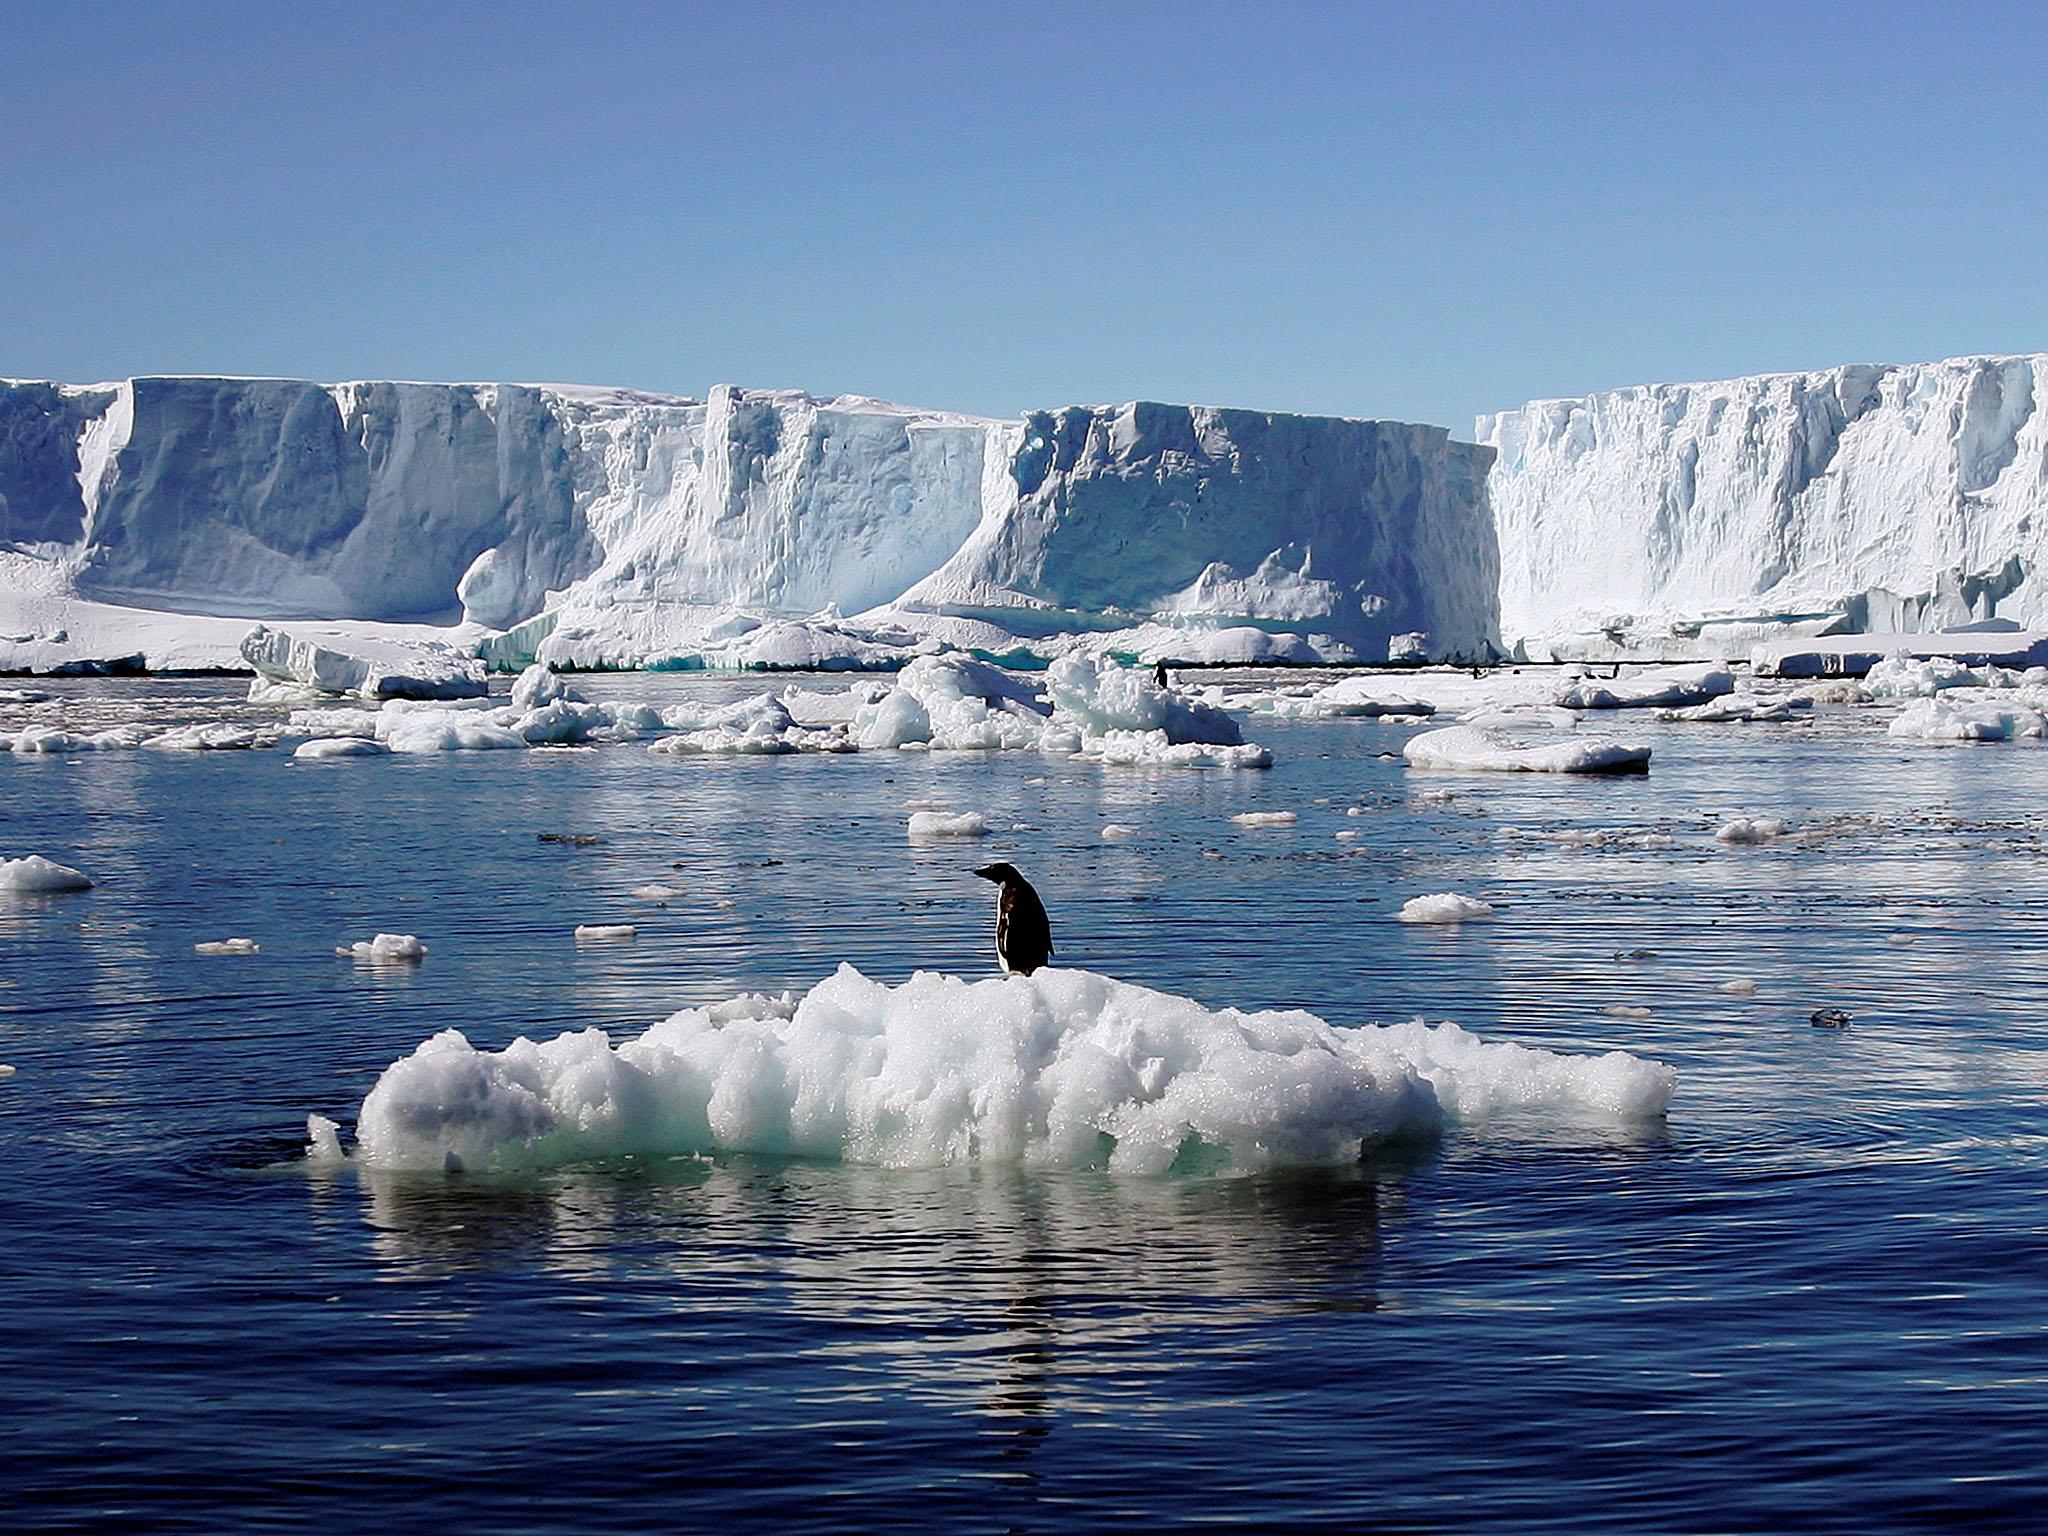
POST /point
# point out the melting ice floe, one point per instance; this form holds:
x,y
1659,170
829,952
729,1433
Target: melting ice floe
x,y
1066,1068
385,949
38,876
1445,907
1494,749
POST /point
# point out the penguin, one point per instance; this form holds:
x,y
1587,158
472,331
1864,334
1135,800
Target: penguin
x,y
1023,935
1159,676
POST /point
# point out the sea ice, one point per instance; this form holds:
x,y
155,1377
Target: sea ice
x,y
38,876
930,824
605,933
339,746
1975,715
228,947
1495,750
1065,1068
1446,907
385,949
1266,818
370,668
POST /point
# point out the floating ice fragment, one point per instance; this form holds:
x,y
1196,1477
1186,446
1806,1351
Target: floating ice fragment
x,y
1065,1068
1627,1011
605,933
1740,987
1745,829
38,876
323,1140
385,949
227,947
323,747
1265,818
1492,749
927,824
656,892
1116,832
1444,907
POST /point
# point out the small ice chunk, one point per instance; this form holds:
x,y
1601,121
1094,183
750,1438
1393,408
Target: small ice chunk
x,y
1117,832
385,949
210,736
1900,940
925,824
323,1141
1742,986
1347,836
6,1070
38,876
605,933
656,892
1444,907
323,747
1744,829
1265,818
1494,749
1626,1011
227,947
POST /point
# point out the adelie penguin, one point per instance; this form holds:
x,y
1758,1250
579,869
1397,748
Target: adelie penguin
x,y
1023,935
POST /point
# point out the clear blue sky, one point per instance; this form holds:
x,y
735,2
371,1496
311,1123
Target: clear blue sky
x,y
1408,211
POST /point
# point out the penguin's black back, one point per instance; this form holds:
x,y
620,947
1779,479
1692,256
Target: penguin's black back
x,y
1023,932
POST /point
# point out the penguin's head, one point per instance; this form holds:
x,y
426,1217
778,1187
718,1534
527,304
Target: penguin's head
x,y
1002,874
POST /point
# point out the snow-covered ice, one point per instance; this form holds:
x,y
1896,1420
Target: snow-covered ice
x,y
385,948
1266,818
227,947
322,747
367,668
1443,907
932,824
1066,1068
1971,715
1493,749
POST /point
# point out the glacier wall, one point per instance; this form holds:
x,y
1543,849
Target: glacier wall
x,y
1860,497
490,503
1099,515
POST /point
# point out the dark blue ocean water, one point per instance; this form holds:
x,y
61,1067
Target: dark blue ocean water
x,y
1812,1300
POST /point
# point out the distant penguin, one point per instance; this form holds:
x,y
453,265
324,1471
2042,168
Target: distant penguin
x,y
1159,675
1023,935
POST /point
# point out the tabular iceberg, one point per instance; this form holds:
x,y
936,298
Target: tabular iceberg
x,y
1695,519
607,527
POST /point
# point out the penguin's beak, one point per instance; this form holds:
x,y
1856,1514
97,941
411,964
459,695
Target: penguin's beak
x,y
987,872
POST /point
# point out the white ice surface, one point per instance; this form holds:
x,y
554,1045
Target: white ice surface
x,y
1444,907
385,949
1870,496
1065,1068
1492,749
38,876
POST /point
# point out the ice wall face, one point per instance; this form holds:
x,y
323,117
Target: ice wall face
x,y
1360,530
278,498
1867,497
775,500
632,519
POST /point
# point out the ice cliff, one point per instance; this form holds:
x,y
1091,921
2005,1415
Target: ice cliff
x,y
1699,517
623,528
